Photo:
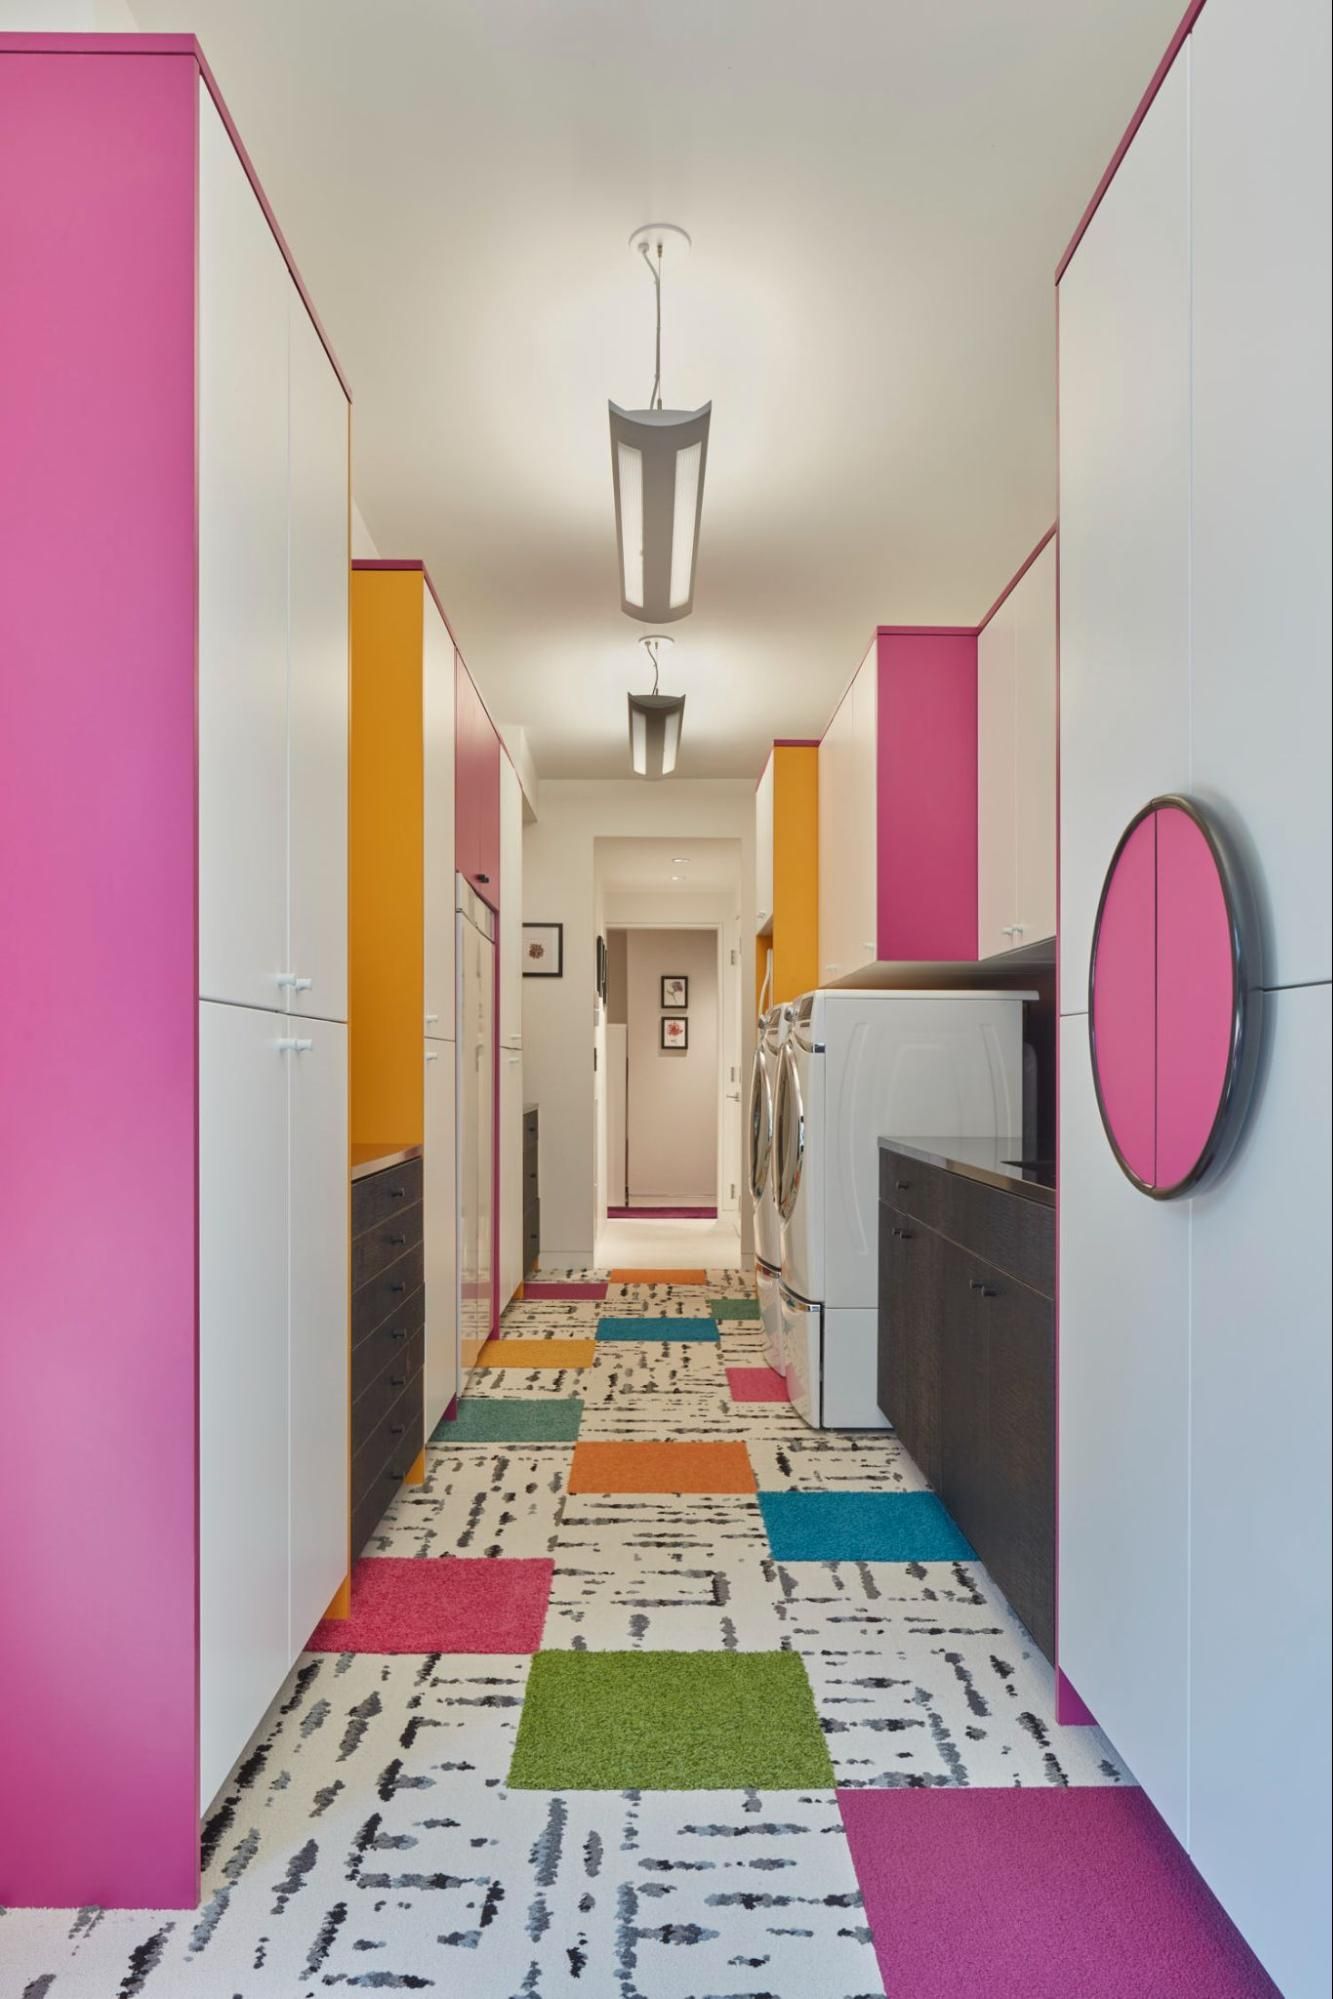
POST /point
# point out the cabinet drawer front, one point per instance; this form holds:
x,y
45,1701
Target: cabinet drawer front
x,y
386,1293
391,1346
376,1481
908,1374
530,1126
914,1188
376,1248
396,1382
1011,1233
380,1195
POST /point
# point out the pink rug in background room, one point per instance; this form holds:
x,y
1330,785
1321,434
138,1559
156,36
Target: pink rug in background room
x,y
756,1384
594,1289
441,1604
661,1214
1039,1894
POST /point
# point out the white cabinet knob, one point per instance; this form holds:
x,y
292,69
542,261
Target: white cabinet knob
x,y
292,1047
432,1055
293,983
431,1017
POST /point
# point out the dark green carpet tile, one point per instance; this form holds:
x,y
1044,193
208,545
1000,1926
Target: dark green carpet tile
x,y
669,1721
489,1419
734,1308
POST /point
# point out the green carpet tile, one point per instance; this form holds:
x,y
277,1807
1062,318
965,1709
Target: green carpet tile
x,y
489,1419
669,1721
734,1308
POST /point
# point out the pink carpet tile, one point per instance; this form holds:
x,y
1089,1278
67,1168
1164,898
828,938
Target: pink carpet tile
x,y
441,1604
756,1384
1039,1894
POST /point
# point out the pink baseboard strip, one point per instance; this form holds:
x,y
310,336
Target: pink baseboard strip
x,y
1071,1711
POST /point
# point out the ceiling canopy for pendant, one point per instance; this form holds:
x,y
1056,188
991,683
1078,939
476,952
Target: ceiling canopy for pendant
x,y
655,722
658,459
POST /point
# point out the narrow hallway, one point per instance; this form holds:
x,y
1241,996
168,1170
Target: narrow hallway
x,y
667,1747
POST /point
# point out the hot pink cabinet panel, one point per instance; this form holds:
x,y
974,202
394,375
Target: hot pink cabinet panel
x,y
927,796
477,798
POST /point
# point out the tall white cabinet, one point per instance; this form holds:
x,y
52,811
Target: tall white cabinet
x,y
273,1229
849,828
1016,758
1194,643
440,1168
511,1032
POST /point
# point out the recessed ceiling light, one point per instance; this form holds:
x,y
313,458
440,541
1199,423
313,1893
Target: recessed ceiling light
x,y
678,861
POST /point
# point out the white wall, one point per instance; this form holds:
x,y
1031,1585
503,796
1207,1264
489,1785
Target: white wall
x,y
559,885
363,542
72,17
671,1115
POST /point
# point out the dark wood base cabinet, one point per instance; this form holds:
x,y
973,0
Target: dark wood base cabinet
x,y
388,1340
532,1205
967,1365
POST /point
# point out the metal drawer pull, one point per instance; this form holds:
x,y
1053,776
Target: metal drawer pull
x,y
394,1240
399,1333
903,1186
396,1429
397,1193
975,1284
401,1285
398,1381
904,1235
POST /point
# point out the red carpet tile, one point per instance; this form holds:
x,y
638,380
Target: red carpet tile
x,y
756,1384
619,1467
1039,1894
440,1604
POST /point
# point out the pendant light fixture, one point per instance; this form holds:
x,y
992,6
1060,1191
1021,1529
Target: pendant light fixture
x,y
658,458
655,721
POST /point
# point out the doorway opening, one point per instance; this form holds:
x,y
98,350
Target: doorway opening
x,y
668,1054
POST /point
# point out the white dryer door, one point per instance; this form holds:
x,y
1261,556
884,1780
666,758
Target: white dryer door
x,y
797,1197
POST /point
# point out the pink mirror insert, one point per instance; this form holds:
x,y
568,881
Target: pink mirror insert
x,y
1172,1000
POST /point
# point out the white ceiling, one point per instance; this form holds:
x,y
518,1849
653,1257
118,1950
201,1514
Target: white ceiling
x,y
878,191
667,867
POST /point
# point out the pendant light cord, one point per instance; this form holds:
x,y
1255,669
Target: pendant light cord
x,y
650,646
655,273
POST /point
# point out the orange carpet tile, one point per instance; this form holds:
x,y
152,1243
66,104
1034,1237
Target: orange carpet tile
x,y
659,1277
617,1467
537,1353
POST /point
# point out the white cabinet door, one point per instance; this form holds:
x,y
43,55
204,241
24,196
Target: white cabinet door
x,y
996,856
511,1173
243,1235
242,388
318,1336
511,906
317,677
763,850
1034,751
437,721
1124,1444
1259,129
1124,515
849,828
1259,1826
440,1232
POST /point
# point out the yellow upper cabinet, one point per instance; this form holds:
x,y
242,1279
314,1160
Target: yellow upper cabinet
x,y
787,870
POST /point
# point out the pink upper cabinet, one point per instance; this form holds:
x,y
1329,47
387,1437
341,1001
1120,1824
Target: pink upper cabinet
x,y
477,794
926,884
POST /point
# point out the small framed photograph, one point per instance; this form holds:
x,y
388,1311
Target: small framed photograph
x,y
675,1031
675,993
543,950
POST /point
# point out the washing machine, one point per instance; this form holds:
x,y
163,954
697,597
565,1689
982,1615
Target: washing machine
x,y
856,1067
772,1036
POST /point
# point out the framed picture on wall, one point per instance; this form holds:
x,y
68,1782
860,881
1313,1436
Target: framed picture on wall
x,y
675,992
675,1031
543,950
601,970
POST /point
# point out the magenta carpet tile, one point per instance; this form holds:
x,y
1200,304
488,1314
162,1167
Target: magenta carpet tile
x,y
1039,1894
594,1290
756,1384
439,1604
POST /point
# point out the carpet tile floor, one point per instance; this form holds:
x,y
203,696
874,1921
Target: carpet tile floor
x,y
749,1725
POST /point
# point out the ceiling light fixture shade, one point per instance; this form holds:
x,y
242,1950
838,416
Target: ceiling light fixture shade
x,y
658,459
654,732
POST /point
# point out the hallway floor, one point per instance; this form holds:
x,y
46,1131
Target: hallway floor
x,y
722,1769
670,1244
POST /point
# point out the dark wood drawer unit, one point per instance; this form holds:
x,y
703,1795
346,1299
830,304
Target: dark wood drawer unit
x,y
388,1339
532,1206
377,1196
967,1363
